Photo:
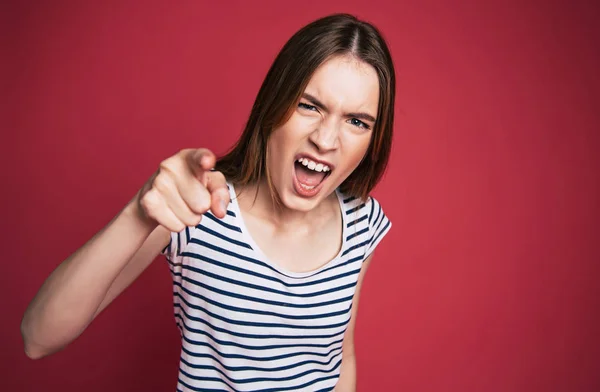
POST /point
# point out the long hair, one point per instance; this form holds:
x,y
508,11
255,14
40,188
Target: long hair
x,y
311,46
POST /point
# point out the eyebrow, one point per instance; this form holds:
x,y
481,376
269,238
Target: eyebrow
x,y
316,102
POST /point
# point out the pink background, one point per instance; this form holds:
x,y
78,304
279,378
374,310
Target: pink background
x,y
488,280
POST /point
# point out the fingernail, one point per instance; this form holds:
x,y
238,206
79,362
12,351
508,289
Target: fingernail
x,y
223,206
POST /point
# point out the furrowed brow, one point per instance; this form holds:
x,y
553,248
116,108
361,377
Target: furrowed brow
x,y
315,101
362,116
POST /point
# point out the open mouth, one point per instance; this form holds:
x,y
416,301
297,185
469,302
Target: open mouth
x,y
309,176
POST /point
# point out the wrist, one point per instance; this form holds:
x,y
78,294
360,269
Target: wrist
x,y
133,212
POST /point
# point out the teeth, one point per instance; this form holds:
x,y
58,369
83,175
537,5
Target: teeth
x,y
308,188
318,167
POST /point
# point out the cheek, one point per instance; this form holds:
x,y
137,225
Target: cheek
x,y
299,126
285,139
357,150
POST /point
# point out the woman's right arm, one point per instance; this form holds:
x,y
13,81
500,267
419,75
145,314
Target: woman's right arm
x,y
71,296
88,280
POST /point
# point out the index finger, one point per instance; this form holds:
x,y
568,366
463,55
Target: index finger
x,y
201,161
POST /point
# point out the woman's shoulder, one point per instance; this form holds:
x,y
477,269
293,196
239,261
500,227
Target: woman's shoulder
x,y
369,202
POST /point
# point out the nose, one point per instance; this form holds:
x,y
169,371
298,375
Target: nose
x,y
326,136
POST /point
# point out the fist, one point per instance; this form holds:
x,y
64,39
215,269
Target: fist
x,y
184,188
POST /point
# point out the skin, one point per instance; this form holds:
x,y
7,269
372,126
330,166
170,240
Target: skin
x,y
184,188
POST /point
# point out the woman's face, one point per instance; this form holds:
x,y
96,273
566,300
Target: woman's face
x,y
327,135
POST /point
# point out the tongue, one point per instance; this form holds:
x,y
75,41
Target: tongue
x,y
308,177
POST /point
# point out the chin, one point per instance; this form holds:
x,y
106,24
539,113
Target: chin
x,y
297,200
292,201
296,196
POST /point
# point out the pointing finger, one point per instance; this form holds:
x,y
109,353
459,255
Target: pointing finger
x,y
201,161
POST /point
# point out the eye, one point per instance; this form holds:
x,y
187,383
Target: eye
x,y
307,106
358,123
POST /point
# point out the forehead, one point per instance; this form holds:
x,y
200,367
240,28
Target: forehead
x,y
344,82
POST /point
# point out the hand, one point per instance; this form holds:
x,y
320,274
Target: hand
x,y
182,189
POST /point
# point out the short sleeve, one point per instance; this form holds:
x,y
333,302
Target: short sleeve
x,y
177,244
379,225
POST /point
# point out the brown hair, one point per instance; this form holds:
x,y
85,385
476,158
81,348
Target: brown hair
x,y
338,34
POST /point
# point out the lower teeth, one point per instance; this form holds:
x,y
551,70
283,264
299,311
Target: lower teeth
x,y
308,188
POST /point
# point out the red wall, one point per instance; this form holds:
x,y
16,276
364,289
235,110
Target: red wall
x,y
488,280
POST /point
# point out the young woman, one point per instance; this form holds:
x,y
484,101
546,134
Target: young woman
x,y
268,245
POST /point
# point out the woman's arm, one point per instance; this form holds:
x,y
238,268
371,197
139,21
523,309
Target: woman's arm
x,y
77,289
347,381
175,196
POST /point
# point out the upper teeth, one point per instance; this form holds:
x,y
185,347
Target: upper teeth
x,y
312,165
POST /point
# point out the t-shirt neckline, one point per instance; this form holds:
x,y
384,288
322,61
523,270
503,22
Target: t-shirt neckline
x,y
250,240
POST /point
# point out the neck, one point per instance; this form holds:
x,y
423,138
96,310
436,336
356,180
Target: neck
x,y
257,200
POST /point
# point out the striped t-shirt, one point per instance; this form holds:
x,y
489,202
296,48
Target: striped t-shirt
x,y
247,325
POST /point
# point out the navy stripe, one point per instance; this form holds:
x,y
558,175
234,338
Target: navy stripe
x,y
251,335
228,253
372,209
297,387
237,255
254,359
357,208
348,200
269,347
219,221
362,218
255,311
261,300
269,289
174,263
178,244
223,237
350,261
353,247
255,324
252,273
345,263
364,230
201,389
379,233
262,379
377,224
254,368
252,260
241,283
378,215
197,389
